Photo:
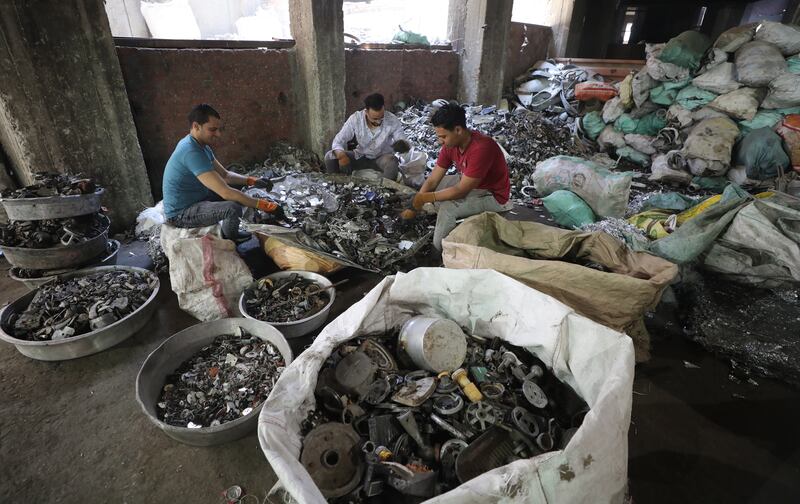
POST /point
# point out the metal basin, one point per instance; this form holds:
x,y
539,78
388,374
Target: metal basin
x,y
178,348
300,327
52,207
108,258
85,344
58,257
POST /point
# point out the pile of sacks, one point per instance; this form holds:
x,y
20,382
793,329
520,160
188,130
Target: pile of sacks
x,y
699,110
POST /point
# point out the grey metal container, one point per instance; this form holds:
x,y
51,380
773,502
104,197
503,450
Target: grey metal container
x,y
304,326
179,347
109,258
52,207
58,257
85,344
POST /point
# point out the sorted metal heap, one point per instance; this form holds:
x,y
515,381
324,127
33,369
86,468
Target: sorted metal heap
x,y
285,299
52,232
282,159
68,308
383,428
223,381
53,184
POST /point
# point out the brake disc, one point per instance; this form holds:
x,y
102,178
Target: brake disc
x,y
331,457
525,421
481,415
448,404
534,394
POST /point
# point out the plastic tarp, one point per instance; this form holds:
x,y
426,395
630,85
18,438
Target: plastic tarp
x,y
762,245
549,259
605,191
595,360
205,271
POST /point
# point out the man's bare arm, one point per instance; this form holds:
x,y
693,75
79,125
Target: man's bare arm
x,y
213,181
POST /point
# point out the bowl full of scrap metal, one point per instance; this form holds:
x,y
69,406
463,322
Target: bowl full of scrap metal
x,y
206,384
389,427
80,313
295,302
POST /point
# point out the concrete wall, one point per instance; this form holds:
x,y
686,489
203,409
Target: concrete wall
x,y
399,75
527,44
252,89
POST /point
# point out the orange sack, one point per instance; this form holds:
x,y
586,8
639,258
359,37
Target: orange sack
x,y
593,90
789,130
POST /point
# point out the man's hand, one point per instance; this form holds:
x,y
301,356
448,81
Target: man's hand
x,y
422,198
408,214
267,206
401,146
261,183
344,159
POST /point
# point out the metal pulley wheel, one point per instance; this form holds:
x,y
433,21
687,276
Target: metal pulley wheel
x,y
534,394
448,404
332,459
481,415
525,421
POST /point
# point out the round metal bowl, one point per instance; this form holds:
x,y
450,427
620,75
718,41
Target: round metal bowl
x,y
108,258
85,344
58,257
52,207
300,327
181,346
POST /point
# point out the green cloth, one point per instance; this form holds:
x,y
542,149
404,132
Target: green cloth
x,y
568,209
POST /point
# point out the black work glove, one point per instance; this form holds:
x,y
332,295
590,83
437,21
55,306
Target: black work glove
x,y
263,183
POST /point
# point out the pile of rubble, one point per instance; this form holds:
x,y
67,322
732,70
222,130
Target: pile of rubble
x,y
285,299
222,382
49,233
385,427
67,308
47,184
355,220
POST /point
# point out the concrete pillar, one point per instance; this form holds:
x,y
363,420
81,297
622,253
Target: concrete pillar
x,y
486,26
63,105
318,28
559,18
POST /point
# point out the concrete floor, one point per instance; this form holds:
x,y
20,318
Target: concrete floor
x,y
72,431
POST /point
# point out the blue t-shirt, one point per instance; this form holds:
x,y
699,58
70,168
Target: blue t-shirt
x,y
180,185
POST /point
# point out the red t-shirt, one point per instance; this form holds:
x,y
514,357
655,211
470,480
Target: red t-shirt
x,y
483,160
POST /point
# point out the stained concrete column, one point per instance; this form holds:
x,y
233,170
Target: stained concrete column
x,y
63,105
486,25
318,31
559,18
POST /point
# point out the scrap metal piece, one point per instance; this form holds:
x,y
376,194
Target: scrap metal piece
x,y
380,355
447,427
481,415
448,404
534,394
416,392
378,391
469,388
446,385
417,481
402,447
382,429
409,423
332,459
355,373
448,454
494,448
493,391
525,421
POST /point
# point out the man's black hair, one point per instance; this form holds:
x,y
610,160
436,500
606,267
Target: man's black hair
x,y
201,113
449,116
374,101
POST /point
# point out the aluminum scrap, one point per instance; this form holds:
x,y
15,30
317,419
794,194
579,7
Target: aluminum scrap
x,y
51,232
527,138
620,229
47,184
295,295
223,381
282,159
68,308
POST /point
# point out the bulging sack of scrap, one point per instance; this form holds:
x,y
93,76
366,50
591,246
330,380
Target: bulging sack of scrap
x,y
641,85
708,148
413,165
669,168
661,70
597,362
605,191
720,79
789,130
732,39
594,90
686,50
784,92
761,153
757,63
784,37
741,104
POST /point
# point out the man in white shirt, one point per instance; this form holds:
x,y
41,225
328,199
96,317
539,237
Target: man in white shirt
x,y
376,132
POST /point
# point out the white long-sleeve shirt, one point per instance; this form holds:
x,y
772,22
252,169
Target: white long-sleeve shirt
x,y
372,143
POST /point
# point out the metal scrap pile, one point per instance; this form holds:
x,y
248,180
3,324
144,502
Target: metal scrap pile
x,y
355,221
285,299
52,232
52,184
224,381
282,159
527,137
67,308
381,427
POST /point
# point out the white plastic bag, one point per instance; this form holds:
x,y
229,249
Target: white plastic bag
x,y
205,271
596,361
412,165
150,219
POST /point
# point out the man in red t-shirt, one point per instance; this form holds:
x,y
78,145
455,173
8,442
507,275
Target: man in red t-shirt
x,y
482,184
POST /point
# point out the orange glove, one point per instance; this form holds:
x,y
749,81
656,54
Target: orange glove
x,y
422,198
251,181
408,214
266,205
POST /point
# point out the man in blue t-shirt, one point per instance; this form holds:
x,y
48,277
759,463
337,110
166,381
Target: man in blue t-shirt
x,y
197,188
